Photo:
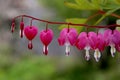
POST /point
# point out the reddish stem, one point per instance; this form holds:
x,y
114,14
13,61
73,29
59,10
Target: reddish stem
x,y
66,23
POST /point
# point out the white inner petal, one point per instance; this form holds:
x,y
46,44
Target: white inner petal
x,y
87,54
20,33
44,49
97,55
67,50
112,50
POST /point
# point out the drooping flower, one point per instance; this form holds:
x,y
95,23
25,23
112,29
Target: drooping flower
x,y
97,43
21,29
83,42
67,37
112,38
89,41
30,33
46,37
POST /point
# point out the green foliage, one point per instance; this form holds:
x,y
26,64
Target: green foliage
x,y
36,68
109,6
94,4
75,21
106,14
117,1
84,5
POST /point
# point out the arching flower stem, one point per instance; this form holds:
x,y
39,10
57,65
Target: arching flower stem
x,y
72,24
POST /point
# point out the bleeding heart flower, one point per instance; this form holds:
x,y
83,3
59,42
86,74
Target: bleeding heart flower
x,y
67,37
112,38
30,33
46,37
97,43
83,42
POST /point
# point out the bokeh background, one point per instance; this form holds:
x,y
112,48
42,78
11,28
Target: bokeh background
x,y
19,63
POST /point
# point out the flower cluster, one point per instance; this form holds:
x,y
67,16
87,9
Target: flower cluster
x,y
90,41
98,41
69,37
30,33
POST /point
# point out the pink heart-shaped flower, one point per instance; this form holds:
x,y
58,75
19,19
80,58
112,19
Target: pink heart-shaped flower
x,y
46,37
30,32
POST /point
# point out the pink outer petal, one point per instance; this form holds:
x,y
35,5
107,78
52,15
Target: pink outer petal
x,y
72,36
30,32
61,41
82,40
92,39
112,37
62,37
96,41
116,37
101,42
46,36
66,36
107,36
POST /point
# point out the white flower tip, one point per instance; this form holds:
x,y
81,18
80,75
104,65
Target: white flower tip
x,y
45,50
113,54
97,55
67,50
113,51
21,33
67,54
87,55
97,59
87,58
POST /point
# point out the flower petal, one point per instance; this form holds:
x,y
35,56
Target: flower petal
x,y
46,36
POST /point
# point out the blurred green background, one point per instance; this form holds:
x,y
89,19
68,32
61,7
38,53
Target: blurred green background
x,y
18,63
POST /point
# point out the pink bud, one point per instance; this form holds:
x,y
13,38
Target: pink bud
x,y
21,25
12,27
21,29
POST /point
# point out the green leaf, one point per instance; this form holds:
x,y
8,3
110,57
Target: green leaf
x,y
96,2
105,15
83,5
75,21
110,4
72,5
87,5
117,1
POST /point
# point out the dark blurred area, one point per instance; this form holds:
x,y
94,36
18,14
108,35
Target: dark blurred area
x,y
19,63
